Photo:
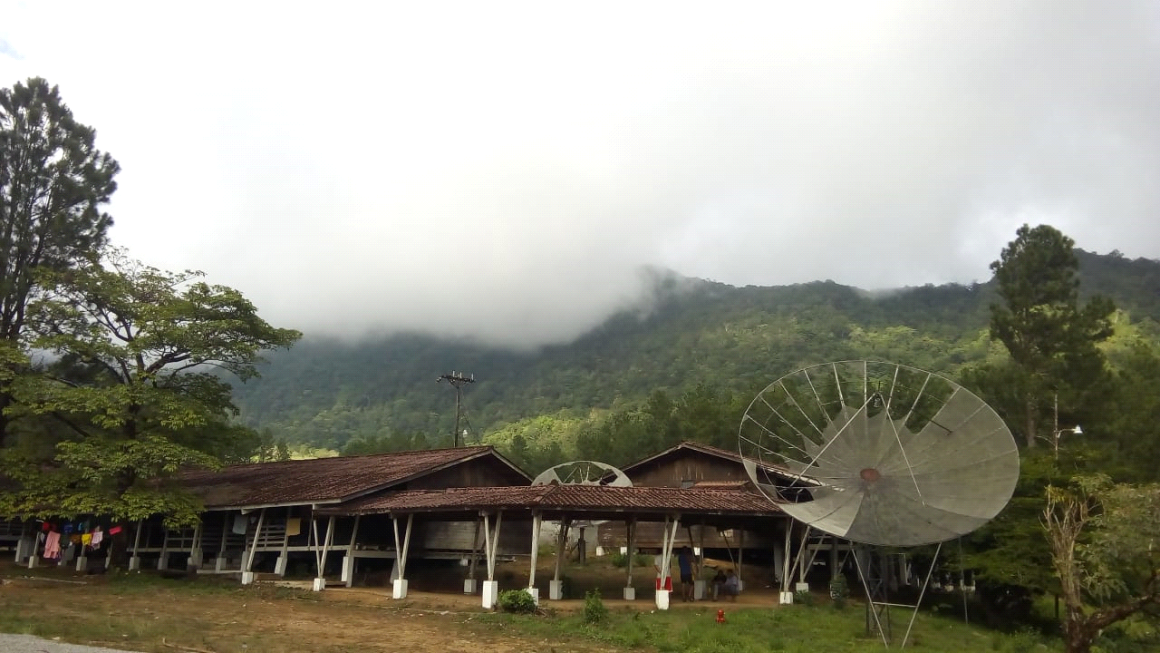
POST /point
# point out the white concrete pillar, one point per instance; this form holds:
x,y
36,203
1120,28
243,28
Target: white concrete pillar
x,y
699,590
23,546
662,599
402,548
490,594
535,592
349,561
163,559
135,563
469,586
82,563
786,598
347,570
284,556
319,584
630,594
247,578
555,590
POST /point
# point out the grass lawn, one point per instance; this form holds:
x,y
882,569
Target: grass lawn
x,y
791,629
143,612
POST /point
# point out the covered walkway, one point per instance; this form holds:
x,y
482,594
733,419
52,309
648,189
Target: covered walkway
x,y
491,508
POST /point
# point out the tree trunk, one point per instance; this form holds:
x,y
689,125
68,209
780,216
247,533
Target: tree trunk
x,y
1078,641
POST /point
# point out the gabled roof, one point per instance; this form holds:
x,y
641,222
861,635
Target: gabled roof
x,y
323,480
707,450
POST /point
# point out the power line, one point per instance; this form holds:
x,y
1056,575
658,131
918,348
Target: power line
x,y
457,381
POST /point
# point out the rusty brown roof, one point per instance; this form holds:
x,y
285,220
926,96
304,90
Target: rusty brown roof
x,y
574,499
321,480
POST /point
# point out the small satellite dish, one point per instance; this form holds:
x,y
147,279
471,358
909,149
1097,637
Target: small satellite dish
x,y
879,453
583,472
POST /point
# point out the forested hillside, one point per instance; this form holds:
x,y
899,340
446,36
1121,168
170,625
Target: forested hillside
x,y
731,340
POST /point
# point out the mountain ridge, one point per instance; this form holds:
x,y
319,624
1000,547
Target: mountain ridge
x,y
327,392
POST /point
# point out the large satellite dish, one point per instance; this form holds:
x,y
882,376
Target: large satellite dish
x,y
879,453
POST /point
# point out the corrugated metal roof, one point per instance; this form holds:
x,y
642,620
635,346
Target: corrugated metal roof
x,y
564,498
320,480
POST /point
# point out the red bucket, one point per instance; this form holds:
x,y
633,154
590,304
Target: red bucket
x,y
668,583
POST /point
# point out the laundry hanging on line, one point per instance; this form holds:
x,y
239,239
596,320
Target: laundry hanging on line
x,y
240,523
52,545
293,526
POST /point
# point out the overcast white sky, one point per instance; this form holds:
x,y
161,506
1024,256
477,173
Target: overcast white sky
x,y
503,169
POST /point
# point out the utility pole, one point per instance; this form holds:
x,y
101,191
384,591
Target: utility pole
x,y
457,381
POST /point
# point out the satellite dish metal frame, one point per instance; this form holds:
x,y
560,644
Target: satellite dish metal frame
x,y
860,481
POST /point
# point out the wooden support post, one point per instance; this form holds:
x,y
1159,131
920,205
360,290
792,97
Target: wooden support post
x,y
248,562
491,541
220,563
34,558
556,586
494,546
630,531
283,557
667,539
194,559
134,559
349,561
402,546
537,519
163,561
469,582
740,558
321,549
785,565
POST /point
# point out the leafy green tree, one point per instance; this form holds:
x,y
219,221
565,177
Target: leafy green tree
x,y
1050,337
53,183
1103,540
134,385
1134,429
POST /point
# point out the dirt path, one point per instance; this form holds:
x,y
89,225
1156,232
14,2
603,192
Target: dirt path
x,y
256,620
215,614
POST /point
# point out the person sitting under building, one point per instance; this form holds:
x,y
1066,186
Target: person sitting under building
x,y
718,582
732,586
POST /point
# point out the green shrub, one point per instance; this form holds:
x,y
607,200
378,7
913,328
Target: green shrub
x,y
595,612
839,591
639,561
517,601
803,597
